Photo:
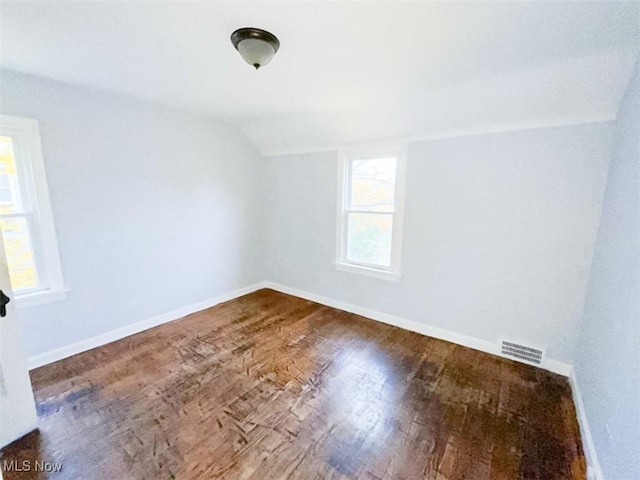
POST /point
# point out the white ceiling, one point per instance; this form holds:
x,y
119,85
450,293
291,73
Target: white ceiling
x,y
345,72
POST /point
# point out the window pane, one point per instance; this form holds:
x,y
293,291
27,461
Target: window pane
x,y
373,184
369,238
20,257
6,195
10,201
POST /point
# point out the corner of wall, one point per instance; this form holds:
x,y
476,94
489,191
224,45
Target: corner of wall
x,y
594,471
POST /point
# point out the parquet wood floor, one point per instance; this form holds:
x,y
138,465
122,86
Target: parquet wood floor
x,y
269,386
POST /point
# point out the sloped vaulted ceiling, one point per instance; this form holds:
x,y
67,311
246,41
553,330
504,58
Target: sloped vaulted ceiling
x,y
345,72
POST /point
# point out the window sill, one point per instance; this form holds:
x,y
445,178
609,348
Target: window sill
x,y
370,272
40,298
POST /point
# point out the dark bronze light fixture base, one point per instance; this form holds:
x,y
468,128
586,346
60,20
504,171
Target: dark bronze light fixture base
x,y
261,45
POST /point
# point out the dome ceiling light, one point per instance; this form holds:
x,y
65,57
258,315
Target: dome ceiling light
x,y
256,46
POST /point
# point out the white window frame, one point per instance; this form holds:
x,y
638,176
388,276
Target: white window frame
x,y
346,156
35,192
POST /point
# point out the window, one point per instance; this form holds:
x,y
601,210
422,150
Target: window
x,y
370,208
25,215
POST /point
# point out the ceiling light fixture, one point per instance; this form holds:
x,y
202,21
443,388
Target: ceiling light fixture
x,y
256,46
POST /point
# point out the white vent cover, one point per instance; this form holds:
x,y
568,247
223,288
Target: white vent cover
x,y
522,352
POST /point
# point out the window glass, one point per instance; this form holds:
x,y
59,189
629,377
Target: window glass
x,y
370,213
9,185
373,184
26,219
19,251
369,238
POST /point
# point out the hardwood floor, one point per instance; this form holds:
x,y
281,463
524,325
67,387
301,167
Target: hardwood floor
x,y
269,386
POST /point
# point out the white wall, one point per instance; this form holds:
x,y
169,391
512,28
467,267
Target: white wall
x,y
498,240
499,233
153,209
607,362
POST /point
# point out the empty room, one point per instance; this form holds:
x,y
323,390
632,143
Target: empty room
x,y
319,240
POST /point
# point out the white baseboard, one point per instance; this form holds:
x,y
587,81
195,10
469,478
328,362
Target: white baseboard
x,y
113,335
18,436
556,366
406,324
431,331
594,471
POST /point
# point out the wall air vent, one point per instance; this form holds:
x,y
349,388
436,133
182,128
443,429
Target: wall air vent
x,y
522,353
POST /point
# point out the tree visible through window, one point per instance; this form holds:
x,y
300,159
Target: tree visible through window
x,y
369,226
14,222
26,220
370,213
